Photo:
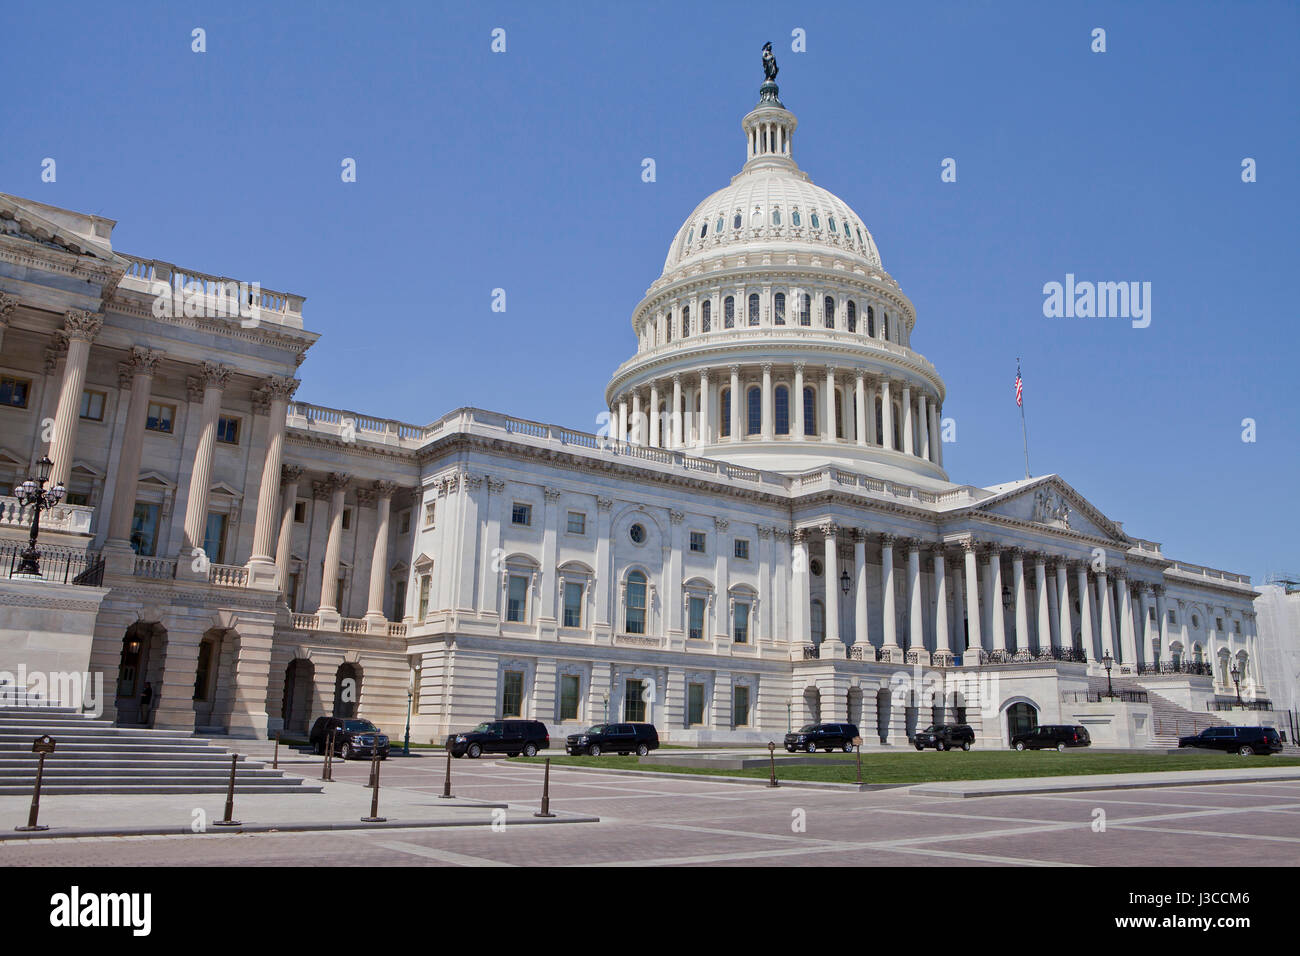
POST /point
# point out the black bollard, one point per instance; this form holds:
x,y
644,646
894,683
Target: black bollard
x,y
229,820
275,761
446,783
374,796
41,746
374,764
327,768
546,793
771,756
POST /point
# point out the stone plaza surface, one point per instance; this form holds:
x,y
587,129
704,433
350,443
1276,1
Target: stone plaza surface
x,y
658,821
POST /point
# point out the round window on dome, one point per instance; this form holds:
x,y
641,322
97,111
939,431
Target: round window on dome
x,y
794,218
637,533
816,223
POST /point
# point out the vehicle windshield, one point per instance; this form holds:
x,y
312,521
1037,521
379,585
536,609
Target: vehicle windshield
x,y
359,726
484,728
932,729
807,728
597,729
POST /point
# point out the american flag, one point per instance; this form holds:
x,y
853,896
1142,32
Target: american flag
x,y
1020,389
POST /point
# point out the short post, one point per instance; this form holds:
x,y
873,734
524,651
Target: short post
x,y
446,783
771,756
857,745
229,820
374,795
374,763
327,768
40,746
275,761
546,793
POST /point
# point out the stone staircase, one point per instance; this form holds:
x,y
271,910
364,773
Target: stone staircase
x,y
94,756
1169,720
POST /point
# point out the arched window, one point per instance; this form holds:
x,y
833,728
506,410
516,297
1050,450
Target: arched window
x,y
717,226
839,413
668,328
871,322
828,312
754,416
809,410
706,316
818,623
794,219
884,326
805,309
753,308
724,411
704,229
852,321
729,312
816,222
635,612
830,221
778,308
686,321
782,402
880,427
735,223
776,217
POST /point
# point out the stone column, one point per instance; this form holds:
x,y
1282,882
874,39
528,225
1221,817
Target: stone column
x,y
942,642
908,448
796,402
1144,598
768,430
1064,624
801,597
1162,613
1085,612
212,380
923,426
889,643
936,450
621,429
329,585
655,423
636,425
831,575
860,636
676,416
886,416
735,402
137,373
379,557
289,478
972,595
1022,603
81,327
830,403
996,616
915,612
8,304
706,421
1044,613
1103,611
262,573
860,406
1128,640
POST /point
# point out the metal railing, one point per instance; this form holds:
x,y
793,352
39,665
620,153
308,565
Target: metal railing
x,y
1220,705
1199,668
59,565
1101,696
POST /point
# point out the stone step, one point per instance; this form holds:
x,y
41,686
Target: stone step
x,y
130,785
78,734
91,774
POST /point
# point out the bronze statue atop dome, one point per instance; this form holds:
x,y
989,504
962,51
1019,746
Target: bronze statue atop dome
x,y
770,69
767,93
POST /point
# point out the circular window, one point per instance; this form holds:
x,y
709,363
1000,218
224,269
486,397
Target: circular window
x,y
637,533
816,567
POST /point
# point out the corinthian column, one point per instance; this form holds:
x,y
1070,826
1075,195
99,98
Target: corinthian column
x,y
972,597
275,393
1044,612
289,478
137,374
212,380
81,328
886,416
915,614
1022,604
996,617
1103,611
831,575
329,584
890,651
942,644
379,558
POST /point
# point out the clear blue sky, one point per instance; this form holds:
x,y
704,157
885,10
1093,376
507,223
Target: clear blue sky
x,y
522,171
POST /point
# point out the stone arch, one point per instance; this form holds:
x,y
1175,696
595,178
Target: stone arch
x,y
140,663
1018,713
347,689
884,709
299,684
812,704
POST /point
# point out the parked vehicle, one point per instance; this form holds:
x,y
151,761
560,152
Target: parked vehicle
x,y
945,737
1236,740
813,737
353,737
614,738
509,737
1051,737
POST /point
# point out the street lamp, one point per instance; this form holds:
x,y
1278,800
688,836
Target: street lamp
x,y
1108,662
1236,680
789,708
32,492
844,582
410,696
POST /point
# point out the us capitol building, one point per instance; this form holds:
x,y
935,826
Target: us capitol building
x,y
766,535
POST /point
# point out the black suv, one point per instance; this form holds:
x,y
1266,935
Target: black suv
x,y
945,737
814,737
616,738
353,737
509,737
1051,736
1236,740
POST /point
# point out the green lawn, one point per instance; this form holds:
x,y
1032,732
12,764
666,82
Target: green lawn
x,y
911,767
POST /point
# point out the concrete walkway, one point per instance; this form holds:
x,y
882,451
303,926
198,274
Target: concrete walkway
x,y
1101,781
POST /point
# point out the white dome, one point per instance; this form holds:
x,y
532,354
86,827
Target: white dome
x,y
760,197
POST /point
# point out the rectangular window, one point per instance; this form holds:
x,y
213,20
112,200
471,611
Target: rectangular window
x,y
399,601
521,514
347,518
517,605
160,418
577,522
214,538
573,603
696,619
144,528
633,701
740,632
697,542
300,512
291,592
76,498
742,549
512,694
404,522
570,687
425,581
694,705
228,430
14,391
430,512
92,405
740,706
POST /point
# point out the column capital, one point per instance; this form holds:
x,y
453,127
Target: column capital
x,y
1038,557
82,325
970,545
551,494
602,504
675,516
1017,553
1144,587
1159,589
721,524
385,489
277,386
798,535
887,540
8,303
365,496
57,348
830,529
938,550
764,532
290,474
1121,574
337,481
141,361
320,490
799,367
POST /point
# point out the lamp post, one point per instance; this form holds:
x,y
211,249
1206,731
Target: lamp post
x,y
32,492
410,696
1108,662
1236,681
789,709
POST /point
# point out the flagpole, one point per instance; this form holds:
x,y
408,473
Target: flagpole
x,y
1024,430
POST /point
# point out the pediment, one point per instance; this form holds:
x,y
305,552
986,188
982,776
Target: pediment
x,y
423,562
154,478
57,228
221,488
1049,502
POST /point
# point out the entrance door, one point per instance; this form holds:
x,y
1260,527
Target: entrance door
x,y
131,674
1021,718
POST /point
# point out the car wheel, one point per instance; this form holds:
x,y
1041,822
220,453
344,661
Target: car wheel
x,y
789,750
811,748
594,750
966,745
1060,748
457,756
1246,750
474,751
847,747
920,747
1020,745
940,745
642,750
530,750
346,752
